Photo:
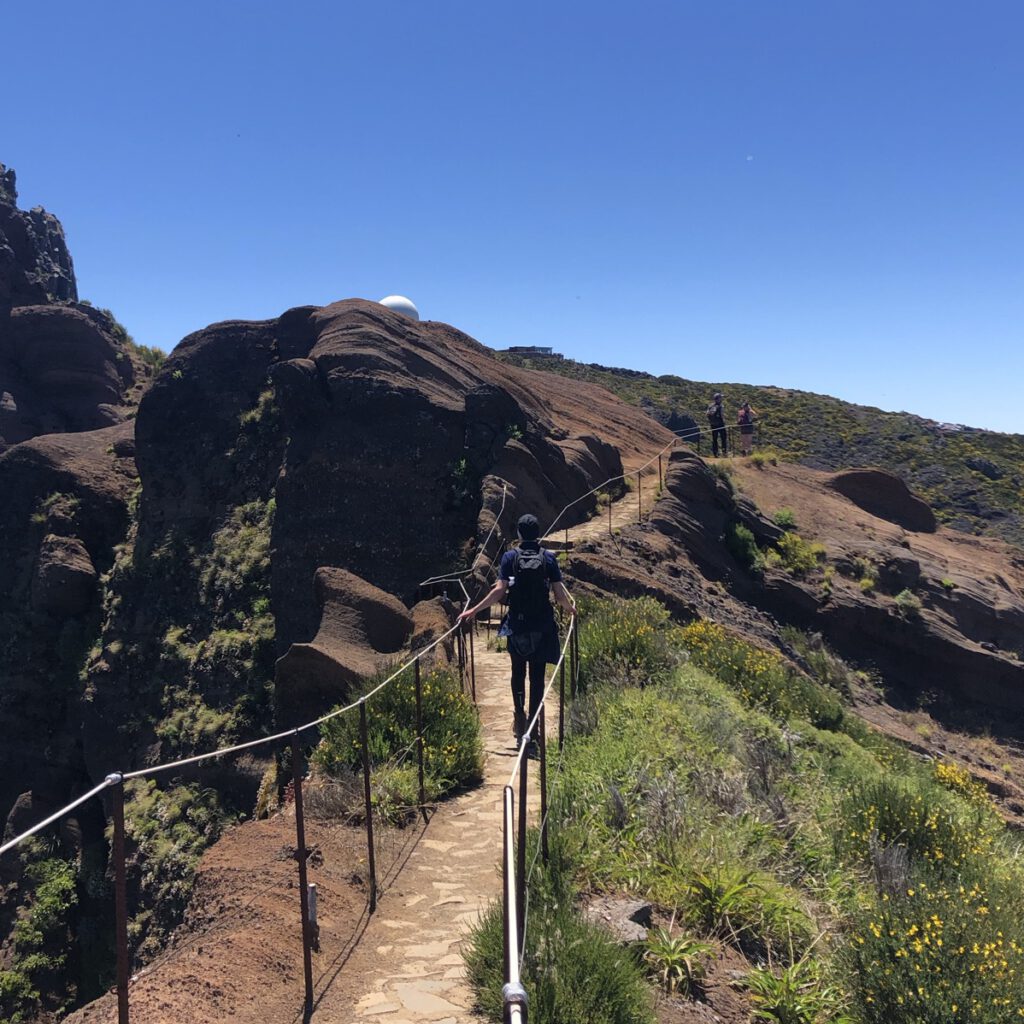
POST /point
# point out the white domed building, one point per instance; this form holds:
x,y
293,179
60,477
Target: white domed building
x,y
400,304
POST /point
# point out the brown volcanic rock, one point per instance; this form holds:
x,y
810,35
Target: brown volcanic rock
x,y
64,510
64,366
967,643
385,445
35,265
64,578
61,370
360,626
886,496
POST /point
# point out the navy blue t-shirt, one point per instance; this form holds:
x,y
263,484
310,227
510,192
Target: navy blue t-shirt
x,y
507,572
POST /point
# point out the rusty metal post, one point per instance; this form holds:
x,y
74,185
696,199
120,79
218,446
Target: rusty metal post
x,y
576,638
461,648
661,479
300,856
639,499
521,847
542,742
369,806
610,534
472,660
561,703
116,781
419,737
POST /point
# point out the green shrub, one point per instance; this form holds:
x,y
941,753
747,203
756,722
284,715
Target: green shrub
x,y
748,909
679,963
938,953
37,951
761,459
799,557
572,970
625,641
453,751
797,994
867,584
908,604
760,677
786,518
743,547
938,832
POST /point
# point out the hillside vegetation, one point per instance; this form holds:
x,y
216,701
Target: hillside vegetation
x,y
972,478
795,860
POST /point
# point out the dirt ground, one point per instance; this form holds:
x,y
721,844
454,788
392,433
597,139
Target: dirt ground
x,y
238,955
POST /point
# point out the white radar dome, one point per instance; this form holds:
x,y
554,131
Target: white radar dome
x,y
400,304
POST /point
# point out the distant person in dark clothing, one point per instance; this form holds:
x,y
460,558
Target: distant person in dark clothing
x,y
528,574
745,418
716,417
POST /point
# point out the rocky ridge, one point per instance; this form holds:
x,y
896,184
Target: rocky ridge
x,y
235,557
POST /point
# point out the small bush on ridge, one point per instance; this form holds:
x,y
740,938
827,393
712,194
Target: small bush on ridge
x,y
453,752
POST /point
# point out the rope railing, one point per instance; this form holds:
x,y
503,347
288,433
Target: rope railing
x,y
115,782
515,883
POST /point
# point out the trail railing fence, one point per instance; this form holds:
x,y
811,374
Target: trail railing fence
x,y
515,879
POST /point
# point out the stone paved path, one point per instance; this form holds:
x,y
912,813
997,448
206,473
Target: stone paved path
x,y
409,959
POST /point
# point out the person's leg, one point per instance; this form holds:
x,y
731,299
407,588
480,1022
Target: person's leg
x,y
714,441
536,686
537,669
725,440
518,694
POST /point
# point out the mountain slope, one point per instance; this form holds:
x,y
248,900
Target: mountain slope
x,y
972,478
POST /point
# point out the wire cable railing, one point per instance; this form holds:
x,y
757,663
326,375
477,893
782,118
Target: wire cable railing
x,y
536,729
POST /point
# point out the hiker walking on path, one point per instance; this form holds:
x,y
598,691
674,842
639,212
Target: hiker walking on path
x,y
745,418
716,417
527,575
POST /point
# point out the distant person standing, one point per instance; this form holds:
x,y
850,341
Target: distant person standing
x,y
528,574
716,417
745,418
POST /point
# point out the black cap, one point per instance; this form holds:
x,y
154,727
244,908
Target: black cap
x,y
528,527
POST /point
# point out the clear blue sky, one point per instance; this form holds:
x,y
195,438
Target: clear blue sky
x,y
827,194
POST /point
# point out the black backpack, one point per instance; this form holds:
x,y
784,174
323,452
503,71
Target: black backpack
x,y
528,595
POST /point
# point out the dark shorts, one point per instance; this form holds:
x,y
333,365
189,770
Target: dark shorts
x,y
533,644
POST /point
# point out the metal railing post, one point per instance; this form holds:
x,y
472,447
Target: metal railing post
x,y
610,534
543,787
472,660
661,479
300,856
460,646
116,781
419,737
369,806
639,499
514,1009
521,845
561,700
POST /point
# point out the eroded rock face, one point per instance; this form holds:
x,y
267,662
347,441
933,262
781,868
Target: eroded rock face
x,y
64,510
61,370
373,444
35,265
64,366
885,495
360,626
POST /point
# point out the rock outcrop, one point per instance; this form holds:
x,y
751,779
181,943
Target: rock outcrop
x,y
64,366
361,629
886,496
35,265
